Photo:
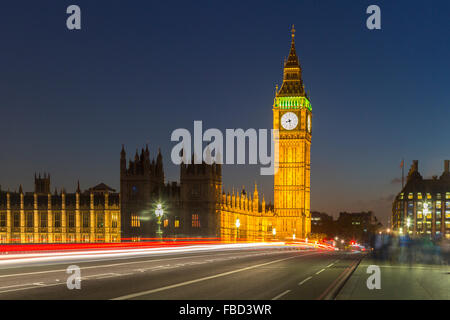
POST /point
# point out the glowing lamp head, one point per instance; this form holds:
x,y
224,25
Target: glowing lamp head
x,y
238,223
274,231
159,211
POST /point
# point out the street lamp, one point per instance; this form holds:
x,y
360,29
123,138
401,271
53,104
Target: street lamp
x,y
238,224
274,232
293,236
159,213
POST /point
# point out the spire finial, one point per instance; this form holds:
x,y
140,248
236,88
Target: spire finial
x,y
293,32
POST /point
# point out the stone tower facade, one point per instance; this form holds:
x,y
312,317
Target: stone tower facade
x,y
292,115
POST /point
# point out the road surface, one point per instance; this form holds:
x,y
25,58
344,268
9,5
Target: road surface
x,y
249,273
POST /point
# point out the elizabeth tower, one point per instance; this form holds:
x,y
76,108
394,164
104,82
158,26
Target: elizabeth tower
x,y
292,117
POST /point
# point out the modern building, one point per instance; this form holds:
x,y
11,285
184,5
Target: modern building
x,y
422,208
358,226
41,217
322,223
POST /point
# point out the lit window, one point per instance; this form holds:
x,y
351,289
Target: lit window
x,y
135,221
166,223
114,221
438,196
419,195
438,204
447,214
410,195
177,223
428,195
447,195
195,221
419,214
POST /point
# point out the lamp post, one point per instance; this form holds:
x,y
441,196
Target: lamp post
x,y
238,224
274,232
159,213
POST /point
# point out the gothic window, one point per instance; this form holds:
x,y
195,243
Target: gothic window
x,y
29,220
57,222
100,220
195,221
16,220
166,223
135,221
114,221
3,219
177,222
71,220
85,220
43,222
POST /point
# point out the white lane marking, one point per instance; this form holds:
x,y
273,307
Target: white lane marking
x,y
320,271
17,285
97,275
303,281
280,295
39,284
112,275
147,292
330,265
112,265
35,287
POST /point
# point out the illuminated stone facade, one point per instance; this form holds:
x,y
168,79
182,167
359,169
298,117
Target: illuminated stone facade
x,y
422,208
197,205
41,217
292,117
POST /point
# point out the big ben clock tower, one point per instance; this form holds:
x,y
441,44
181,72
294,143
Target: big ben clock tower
x,y
292,117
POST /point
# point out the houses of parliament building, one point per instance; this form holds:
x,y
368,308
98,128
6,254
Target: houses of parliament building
x,y
194,206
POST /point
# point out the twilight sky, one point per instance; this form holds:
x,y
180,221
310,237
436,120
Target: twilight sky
x,y
139,69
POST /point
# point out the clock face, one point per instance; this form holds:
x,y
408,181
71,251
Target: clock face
x,y
289,121
309,123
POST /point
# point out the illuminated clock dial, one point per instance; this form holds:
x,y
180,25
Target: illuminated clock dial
x,y
289,121
309,123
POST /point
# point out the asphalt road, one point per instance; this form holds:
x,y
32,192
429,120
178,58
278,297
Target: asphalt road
x,y
249,274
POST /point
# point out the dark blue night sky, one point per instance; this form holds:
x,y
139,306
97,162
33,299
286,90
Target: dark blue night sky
x,y
139,69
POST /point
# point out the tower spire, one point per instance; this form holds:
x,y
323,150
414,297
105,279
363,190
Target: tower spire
x,y
293,33
292,75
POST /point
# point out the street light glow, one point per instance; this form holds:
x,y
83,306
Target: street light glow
x,y
238,223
